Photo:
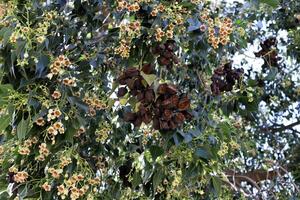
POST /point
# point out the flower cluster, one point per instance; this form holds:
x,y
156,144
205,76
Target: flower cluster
x,y
53,114
64,161
123,49
70,187
95,103
123,5
71,82
25,148
56,128
44,152
80,131
156,9
2,10
43,26
55,173
223,149
58,65
20,177
219,30
130,30
102,132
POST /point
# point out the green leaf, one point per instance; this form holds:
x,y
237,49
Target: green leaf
x,y
203,153
149,78
273,3
41,65
156,151
22,128
136,179
157,178
272,74
4,195
123,101
5,33
225,129
4,122
217,184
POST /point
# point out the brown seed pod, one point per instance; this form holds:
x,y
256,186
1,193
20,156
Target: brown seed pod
x,y
164,61
148,69
162,88
130,117
163,125
122,91
167,115
147,118
149,96
184,103
156,125
172,125
140,96
138,121
174,100
131,72
167,103
187,115
130,84
143,110
179,118
122,80
171,89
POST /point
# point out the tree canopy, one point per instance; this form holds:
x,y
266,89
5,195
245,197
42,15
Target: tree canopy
x,y
149,99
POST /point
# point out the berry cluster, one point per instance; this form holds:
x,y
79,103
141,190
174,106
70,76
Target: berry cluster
x,y
224,78
166,54
168,111
268,52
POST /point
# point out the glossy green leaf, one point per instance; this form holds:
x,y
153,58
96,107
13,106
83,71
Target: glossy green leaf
x,y
273,3
203,153
4,122
150,78
23,128
156,151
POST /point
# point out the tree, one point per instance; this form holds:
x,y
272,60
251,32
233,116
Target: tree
x,y
147,99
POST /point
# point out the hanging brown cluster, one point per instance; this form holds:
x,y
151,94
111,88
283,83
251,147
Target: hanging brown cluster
x,y
269,52
224,78
167,112
166,54
170,109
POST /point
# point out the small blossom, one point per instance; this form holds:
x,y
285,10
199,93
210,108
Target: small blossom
x,y
24,151
46,187
56,94
40,121
20,177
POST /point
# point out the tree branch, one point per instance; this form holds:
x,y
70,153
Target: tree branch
x,y
274,129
